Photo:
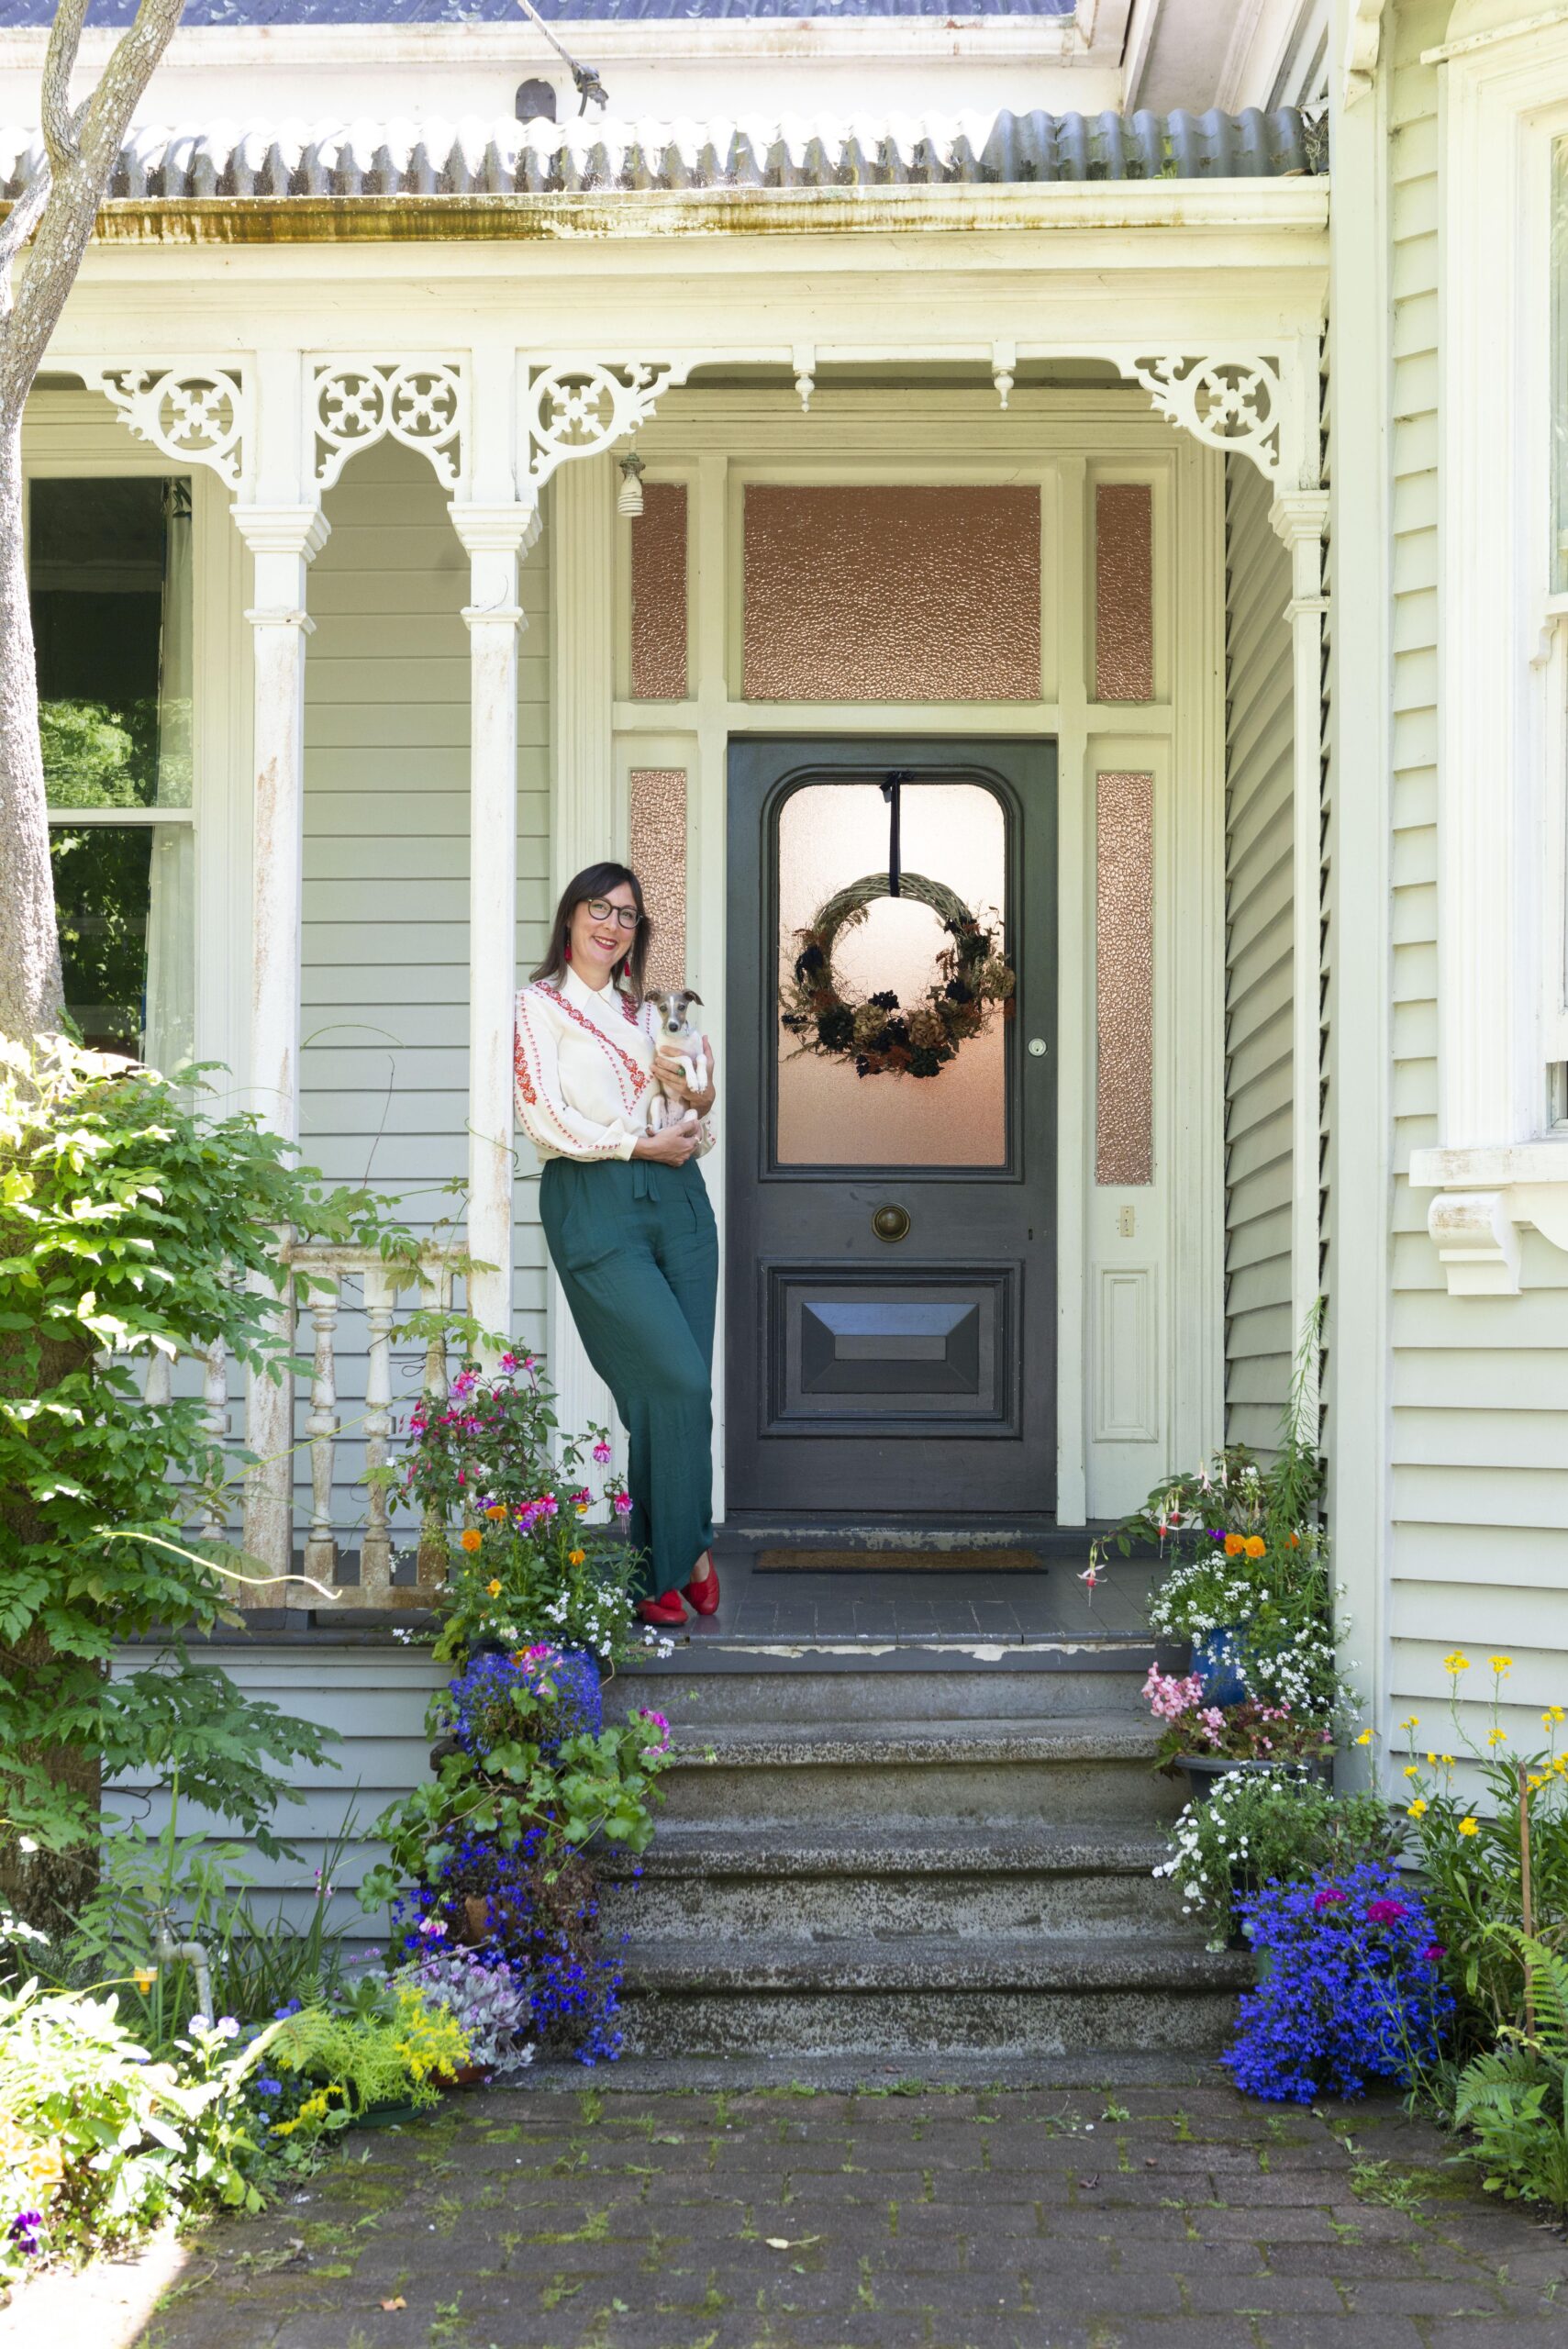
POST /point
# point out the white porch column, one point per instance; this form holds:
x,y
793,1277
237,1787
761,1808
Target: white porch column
x,y
584,823
283,531
1300,517
494,538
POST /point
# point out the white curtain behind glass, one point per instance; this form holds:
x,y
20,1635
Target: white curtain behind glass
x,y
170,1036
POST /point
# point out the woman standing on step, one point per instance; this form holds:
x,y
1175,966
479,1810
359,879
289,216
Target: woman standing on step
x,y
627,1218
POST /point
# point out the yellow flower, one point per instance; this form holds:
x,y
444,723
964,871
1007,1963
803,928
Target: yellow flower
x,y
1411,1771
1448,1761
1256,1546
575,1557
472,1538
43,2165
1560,1766
1365,1738
1431,1761
1497,1737
1418,1808
1552,1715
1534,1780
494,1588
144,1977
1471,1826
1501,1664
1413,1722
1456,1663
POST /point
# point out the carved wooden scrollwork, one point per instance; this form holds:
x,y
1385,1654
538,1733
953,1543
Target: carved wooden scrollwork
x,y
195,414
1234,404
356,402
576,408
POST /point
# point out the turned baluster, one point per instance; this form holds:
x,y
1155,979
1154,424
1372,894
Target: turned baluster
x,y
375,1552
321,1428
158,1386
432,1530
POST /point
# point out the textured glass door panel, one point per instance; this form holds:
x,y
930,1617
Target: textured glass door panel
x,y
831,836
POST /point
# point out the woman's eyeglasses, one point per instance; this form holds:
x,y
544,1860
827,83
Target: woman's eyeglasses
x,y
600,909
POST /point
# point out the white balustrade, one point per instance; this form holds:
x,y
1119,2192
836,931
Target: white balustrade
x,y
333,1286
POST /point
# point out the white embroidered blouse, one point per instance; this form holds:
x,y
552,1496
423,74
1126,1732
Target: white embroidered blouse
x,y
583,1062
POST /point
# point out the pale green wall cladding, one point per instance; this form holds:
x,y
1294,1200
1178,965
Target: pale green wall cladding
x,y
1257,962
1479,1462
385,1066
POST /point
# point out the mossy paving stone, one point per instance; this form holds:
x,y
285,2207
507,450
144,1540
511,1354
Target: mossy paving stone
x,y
1185,2219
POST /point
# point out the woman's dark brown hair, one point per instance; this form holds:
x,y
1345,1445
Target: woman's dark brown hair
x,y
597,880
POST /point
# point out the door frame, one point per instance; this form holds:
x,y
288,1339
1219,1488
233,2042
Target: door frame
x,y
716,441
1029,898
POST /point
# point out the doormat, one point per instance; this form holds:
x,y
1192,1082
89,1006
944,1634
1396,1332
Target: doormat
x,y
898,1562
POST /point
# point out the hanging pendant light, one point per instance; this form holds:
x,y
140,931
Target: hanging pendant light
x,y
629,499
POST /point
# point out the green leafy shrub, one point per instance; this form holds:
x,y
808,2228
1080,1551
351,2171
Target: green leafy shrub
x,y
97,2142
1494,1867
131,1223
395,2046
1512,2098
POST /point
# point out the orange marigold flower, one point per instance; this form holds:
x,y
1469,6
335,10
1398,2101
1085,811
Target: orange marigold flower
x,y
1296,1540
575,1557
1234,1545
1256,1546
496,1511
472,1538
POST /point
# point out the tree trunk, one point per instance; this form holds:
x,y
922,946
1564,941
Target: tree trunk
x,y
30,988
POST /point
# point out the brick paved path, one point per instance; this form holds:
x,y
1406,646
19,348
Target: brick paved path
x,y
1157,2218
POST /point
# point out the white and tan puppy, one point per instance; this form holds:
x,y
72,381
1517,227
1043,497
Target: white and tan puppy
x,y
673,1032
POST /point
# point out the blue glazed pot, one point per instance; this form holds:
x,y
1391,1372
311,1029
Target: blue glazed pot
x,y
1216,1662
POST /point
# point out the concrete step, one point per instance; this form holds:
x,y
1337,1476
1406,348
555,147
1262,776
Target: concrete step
x,y
718,1883
1004,1994
1065,1769
904,1681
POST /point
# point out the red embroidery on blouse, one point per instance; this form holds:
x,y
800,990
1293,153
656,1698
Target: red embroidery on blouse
x,y
639,1076
521,1071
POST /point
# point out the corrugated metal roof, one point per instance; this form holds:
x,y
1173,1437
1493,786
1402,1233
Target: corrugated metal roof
x,y
244,12
506,158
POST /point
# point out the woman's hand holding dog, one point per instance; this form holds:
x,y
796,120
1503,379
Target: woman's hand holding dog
x,y
671,1147
668,1072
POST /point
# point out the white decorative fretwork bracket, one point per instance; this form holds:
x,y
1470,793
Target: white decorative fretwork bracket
x,y
353,403
1235,405
194,412
578,408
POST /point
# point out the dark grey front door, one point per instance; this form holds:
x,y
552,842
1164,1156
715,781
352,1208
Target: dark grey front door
x,y
891,1235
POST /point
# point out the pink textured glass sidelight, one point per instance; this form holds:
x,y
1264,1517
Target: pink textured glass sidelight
x,y
1124,978
659,594
1124,591
892,594
657,834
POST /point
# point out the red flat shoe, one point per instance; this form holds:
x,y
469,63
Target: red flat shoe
x,y
702,1598
665,1614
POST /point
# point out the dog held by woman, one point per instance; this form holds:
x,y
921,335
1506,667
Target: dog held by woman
x,y
673,1032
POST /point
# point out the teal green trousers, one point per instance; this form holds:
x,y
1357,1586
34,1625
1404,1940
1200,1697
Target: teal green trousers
x,y
637,1250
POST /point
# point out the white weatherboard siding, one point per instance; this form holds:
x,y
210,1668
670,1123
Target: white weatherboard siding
x,y
1480,1385
385,1066
1258,964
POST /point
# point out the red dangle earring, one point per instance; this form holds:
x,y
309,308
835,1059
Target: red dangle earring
x,y
568,950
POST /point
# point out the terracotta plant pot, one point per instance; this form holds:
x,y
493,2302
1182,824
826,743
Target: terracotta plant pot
x,y
474,1924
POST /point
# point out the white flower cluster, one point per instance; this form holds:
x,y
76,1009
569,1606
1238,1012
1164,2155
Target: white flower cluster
x,y
1206,1848
1200,1598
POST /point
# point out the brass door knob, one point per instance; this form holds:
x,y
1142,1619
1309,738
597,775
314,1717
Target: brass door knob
x,y
890,1223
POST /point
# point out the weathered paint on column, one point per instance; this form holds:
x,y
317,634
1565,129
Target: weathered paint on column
x,y
282,537
494,538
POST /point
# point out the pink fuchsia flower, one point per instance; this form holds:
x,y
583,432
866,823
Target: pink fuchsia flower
x,y
1386,1912
602,1453
509,1363
621,1504
464,1382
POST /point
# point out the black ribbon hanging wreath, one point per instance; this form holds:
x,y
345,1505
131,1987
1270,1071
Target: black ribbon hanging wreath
x,y
880,1035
